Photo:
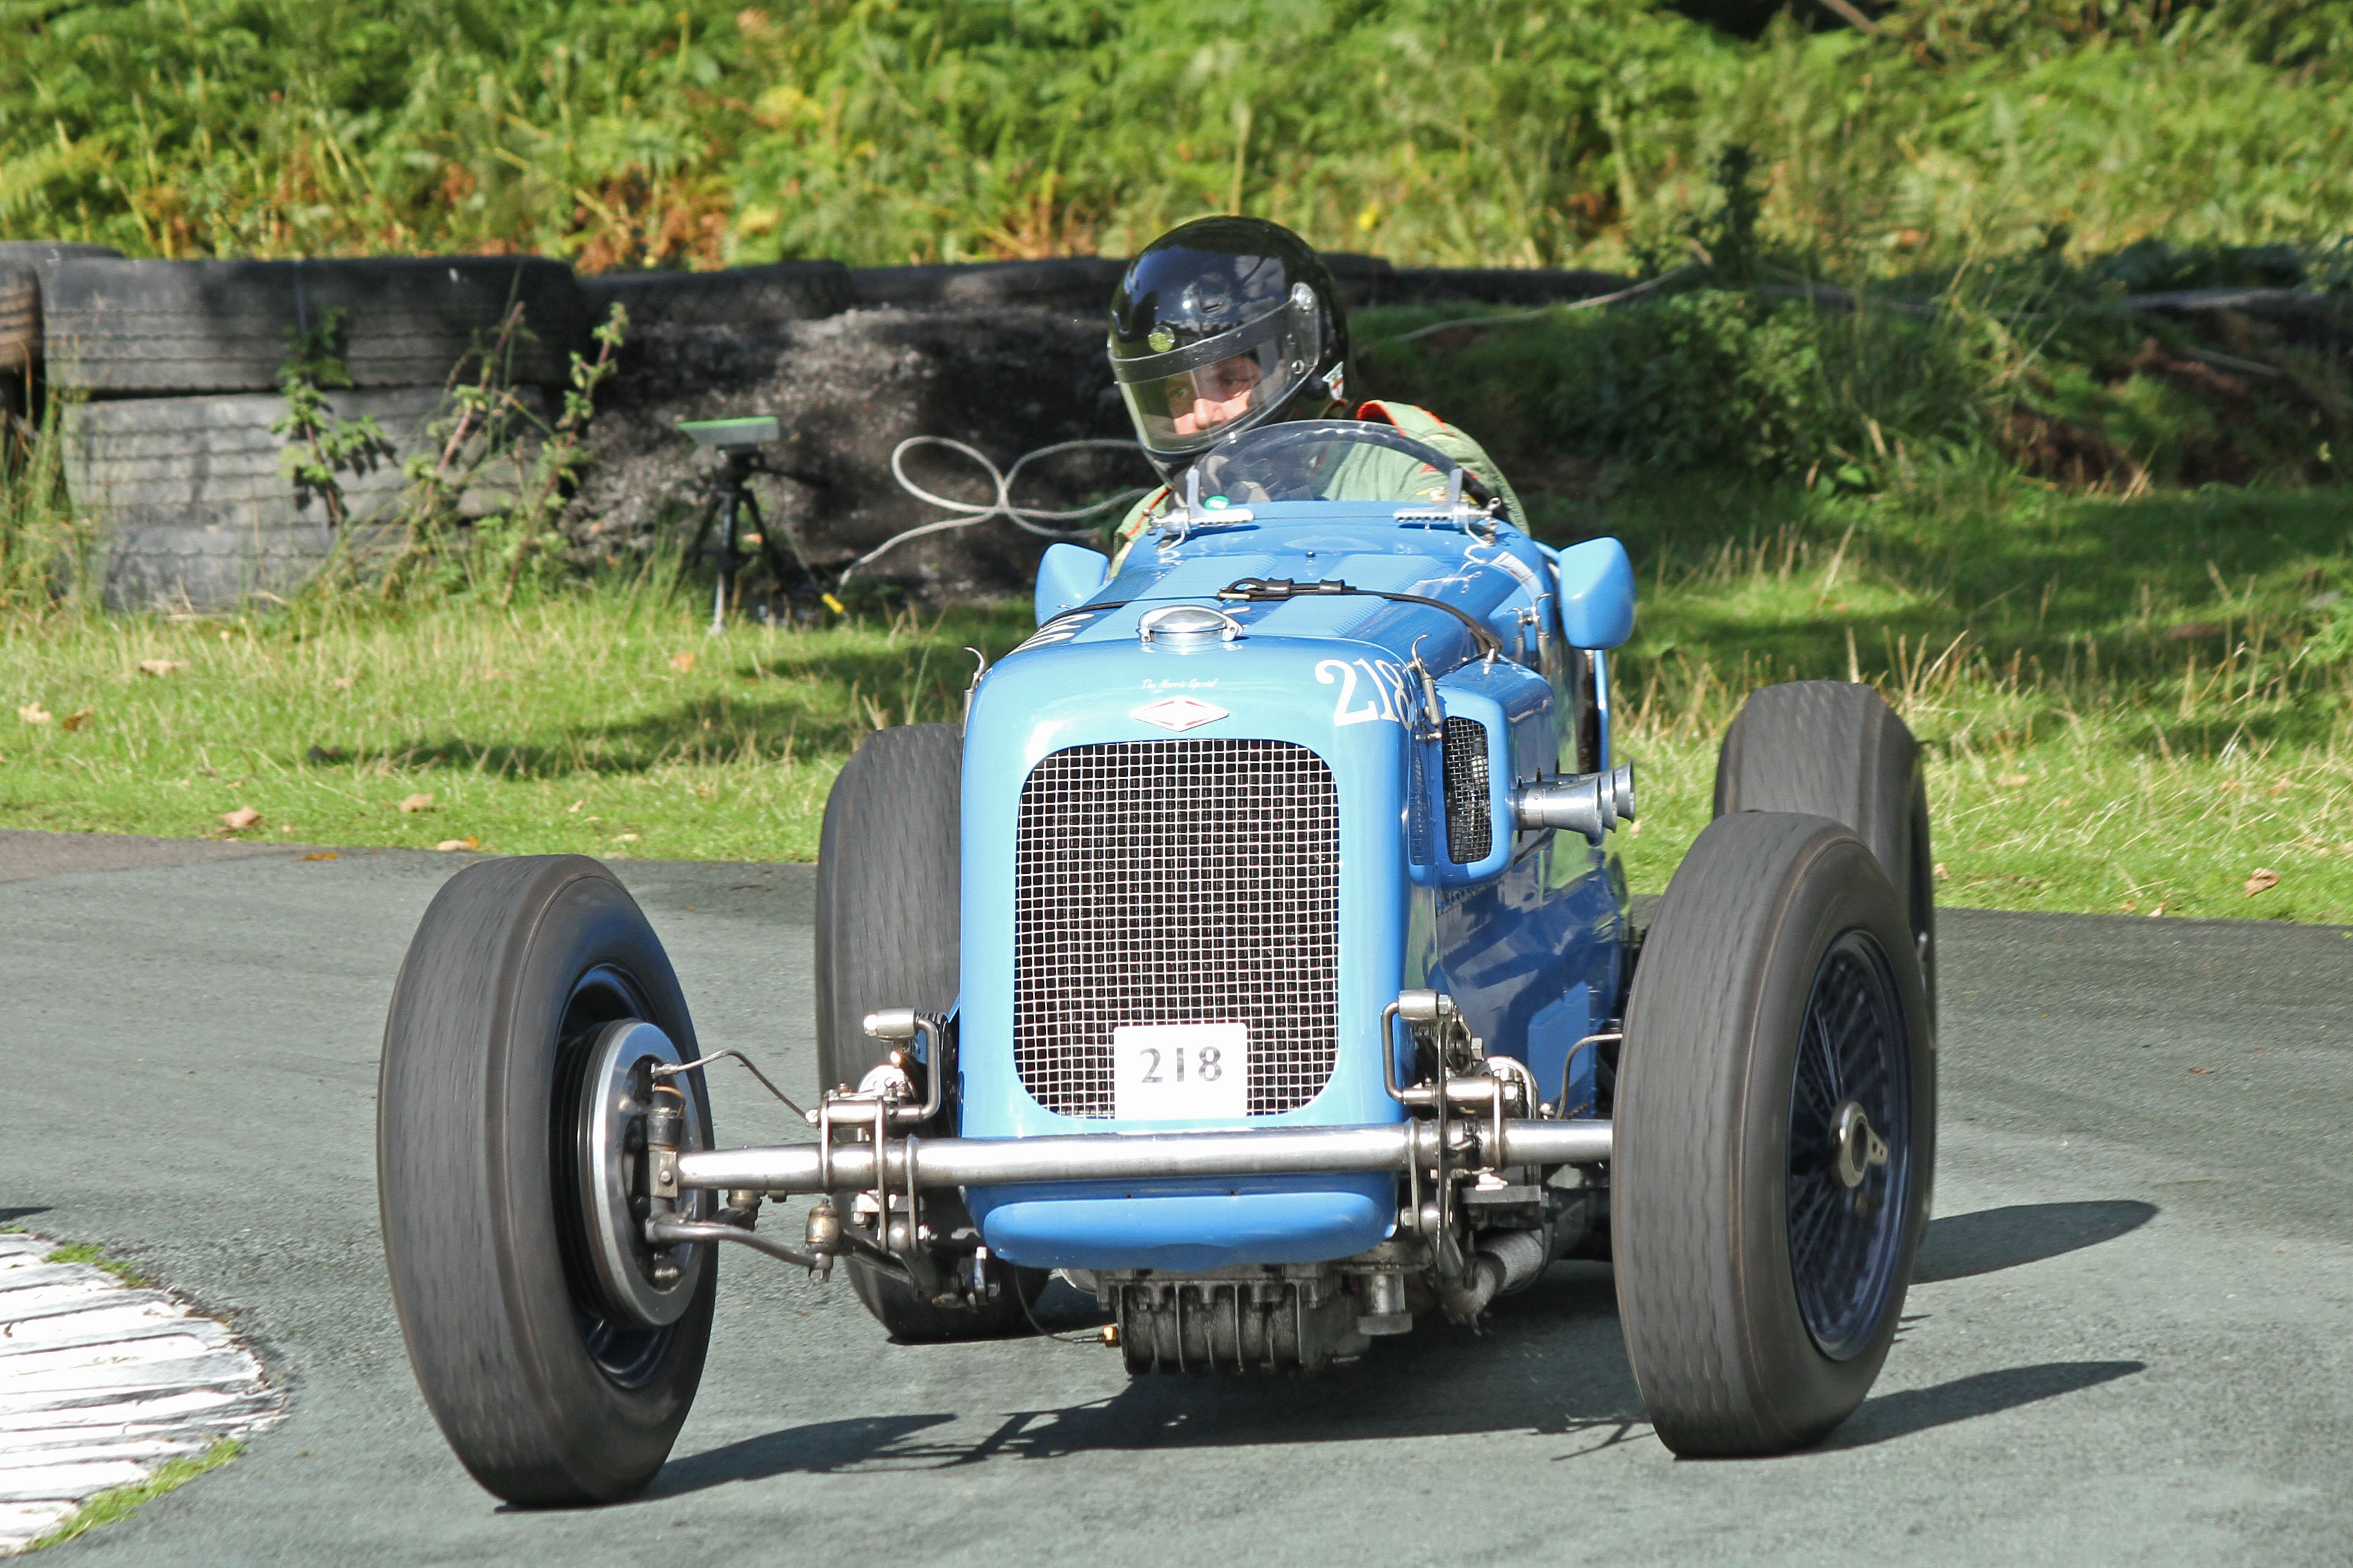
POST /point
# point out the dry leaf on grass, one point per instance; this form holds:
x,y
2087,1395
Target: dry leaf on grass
x,y
162,666
1943,875
682,662
467,843
416,803
628,839
2013,781
34,713
342,682
75,720
244,817
2263,881
573,809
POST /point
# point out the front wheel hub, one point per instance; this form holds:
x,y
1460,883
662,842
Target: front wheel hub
x,y
1855,1148
638,1284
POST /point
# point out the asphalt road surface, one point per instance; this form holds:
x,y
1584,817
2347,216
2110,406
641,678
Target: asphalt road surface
x,y
2127,1342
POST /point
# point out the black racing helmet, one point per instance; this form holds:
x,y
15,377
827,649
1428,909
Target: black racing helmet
x,y
1221,324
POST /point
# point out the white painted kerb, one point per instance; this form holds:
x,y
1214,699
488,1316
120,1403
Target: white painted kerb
x,y
101,1383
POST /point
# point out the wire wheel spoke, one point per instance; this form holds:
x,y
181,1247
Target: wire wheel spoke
x,y
1849,1096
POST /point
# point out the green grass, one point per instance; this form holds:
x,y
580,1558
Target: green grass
x,y
1495,132
84,1252
565,725
2129,703
2132,704
117,1502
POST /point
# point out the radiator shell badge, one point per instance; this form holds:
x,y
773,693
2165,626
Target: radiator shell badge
x,y
1178,713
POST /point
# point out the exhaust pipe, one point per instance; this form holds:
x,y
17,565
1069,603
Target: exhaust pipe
x,y
1589,804
1506,1259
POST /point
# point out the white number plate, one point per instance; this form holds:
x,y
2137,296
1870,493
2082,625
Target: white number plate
x,y
1173,1072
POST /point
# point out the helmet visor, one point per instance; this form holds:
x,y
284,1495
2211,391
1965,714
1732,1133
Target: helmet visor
x,y
1188,410
1183,400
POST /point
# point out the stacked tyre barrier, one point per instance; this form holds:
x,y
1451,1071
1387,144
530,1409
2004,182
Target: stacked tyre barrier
x,y
168,373
198,513
26,268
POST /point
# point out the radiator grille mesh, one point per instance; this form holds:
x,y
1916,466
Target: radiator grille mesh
x,y
1176,882
1469,818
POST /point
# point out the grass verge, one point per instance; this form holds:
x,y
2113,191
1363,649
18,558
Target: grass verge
x,y
113,1504
84,1252
603,724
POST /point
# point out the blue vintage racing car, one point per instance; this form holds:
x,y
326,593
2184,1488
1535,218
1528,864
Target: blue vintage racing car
x,y
1257,955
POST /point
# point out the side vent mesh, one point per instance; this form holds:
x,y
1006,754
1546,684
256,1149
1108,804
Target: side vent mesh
x,y
1470,820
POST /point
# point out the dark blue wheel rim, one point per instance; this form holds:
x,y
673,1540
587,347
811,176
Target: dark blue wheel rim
x,y
1847,1211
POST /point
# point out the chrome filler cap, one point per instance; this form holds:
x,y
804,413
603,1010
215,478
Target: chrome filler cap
x,y
1186,624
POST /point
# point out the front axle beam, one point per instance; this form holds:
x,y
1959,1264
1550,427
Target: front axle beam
x,y
1395,1146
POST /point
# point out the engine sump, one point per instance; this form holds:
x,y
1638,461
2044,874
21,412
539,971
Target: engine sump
x,y
1250,1319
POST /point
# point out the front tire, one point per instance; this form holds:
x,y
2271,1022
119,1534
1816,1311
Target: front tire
x,y
1776,1136
550,1393
888,925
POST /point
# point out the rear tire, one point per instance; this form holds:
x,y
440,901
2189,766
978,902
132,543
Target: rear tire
x,y
1761,1260
548,1396
1835,749
888,876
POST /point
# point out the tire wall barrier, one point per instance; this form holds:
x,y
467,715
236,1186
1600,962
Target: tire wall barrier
x,y
20,320
164,327
27,269
196,511
170,370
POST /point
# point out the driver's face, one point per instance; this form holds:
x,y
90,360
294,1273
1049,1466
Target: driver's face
x,y
1221,393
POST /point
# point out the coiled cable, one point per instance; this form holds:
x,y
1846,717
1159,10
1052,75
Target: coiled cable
x,y
1035,520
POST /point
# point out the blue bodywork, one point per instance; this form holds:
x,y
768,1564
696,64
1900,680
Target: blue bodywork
x,y
1528,940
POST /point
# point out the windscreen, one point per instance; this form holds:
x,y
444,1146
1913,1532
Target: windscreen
x,y
1329,460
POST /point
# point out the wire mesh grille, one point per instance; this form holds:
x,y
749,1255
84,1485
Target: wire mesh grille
x,y
1470,820
1176,882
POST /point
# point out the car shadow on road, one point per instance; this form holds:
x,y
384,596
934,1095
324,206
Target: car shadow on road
x,y
1961,1244
1891,1415
1550,1362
